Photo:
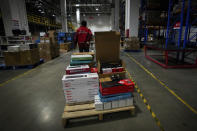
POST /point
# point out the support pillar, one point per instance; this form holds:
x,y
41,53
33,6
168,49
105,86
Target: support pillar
x,y
14,16
132,17
63,15
113,18
117,6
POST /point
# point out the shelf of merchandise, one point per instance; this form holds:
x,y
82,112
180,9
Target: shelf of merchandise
x,y
6,41
42,21
175,52
148,26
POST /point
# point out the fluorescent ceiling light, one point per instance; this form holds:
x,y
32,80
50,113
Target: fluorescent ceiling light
x,y
78,15
77,5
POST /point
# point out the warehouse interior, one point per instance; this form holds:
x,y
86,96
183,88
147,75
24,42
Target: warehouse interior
x,y
134,68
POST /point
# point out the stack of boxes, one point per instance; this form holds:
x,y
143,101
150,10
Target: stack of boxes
x,y
49,47
80,87
79,84
114,91
23,54
132,43
114,94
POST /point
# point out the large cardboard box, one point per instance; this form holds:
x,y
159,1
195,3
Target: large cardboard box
x,y
12,58
45,50
80,87
107,46
132,43
28,57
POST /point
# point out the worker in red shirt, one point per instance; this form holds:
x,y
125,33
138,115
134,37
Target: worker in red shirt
x,y
83,37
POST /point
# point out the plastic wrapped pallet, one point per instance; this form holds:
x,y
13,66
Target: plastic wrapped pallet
x,y
132,44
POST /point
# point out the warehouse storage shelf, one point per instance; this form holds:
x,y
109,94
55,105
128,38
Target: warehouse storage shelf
x,y
6,41
42,21
148,24
176,53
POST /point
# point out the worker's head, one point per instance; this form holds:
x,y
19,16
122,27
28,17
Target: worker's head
x,y
84,23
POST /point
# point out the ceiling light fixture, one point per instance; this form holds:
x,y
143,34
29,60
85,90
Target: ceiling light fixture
x,y
97,9
42,12
77,5
39,10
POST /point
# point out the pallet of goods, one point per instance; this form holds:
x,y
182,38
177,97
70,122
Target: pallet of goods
x,y
49,47
102,89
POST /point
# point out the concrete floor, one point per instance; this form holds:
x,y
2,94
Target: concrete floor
x,y
35,101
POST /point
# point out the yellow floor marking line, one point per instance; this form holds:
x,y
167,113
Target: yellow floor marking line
x,y
146,103
18,76
164,85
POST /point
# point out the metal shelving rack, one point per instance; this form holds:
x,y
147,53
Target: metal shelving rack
x,y
146,27
6,41
176,51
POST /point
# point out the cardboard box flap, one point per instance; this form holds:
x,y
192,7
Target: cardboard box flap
x,y
107,46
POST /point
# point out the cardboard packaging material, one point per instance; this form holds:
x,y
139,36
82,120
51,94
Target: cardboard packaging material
x,y
12,58
107,46
14,48
103,75
48,51
27,57
80,87
132,44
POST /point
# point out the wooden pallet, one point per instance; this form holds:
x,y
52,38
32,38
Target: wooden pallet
x,y
87,110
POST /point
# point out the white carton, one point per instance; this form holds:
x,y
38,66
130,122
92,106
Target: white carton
x,y
107,70
122,103
107,105
115,104
80,87
14,48
129,101
98,103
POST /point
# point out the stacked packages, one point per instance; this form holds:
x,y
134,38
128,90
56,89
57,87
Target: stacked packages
x,y
80,87
79,84
132,43
114,94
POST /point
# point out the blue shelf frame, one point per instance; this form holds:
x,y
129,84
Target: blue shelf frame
x,y
188,25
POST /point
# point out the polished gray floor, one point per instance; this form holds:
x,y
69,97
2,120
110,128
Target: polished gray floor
x,y
35,102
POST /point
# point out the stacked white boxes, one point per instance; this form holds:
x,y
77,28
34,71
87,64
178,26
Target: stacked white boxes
x,y
14,48
80,87
99,105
